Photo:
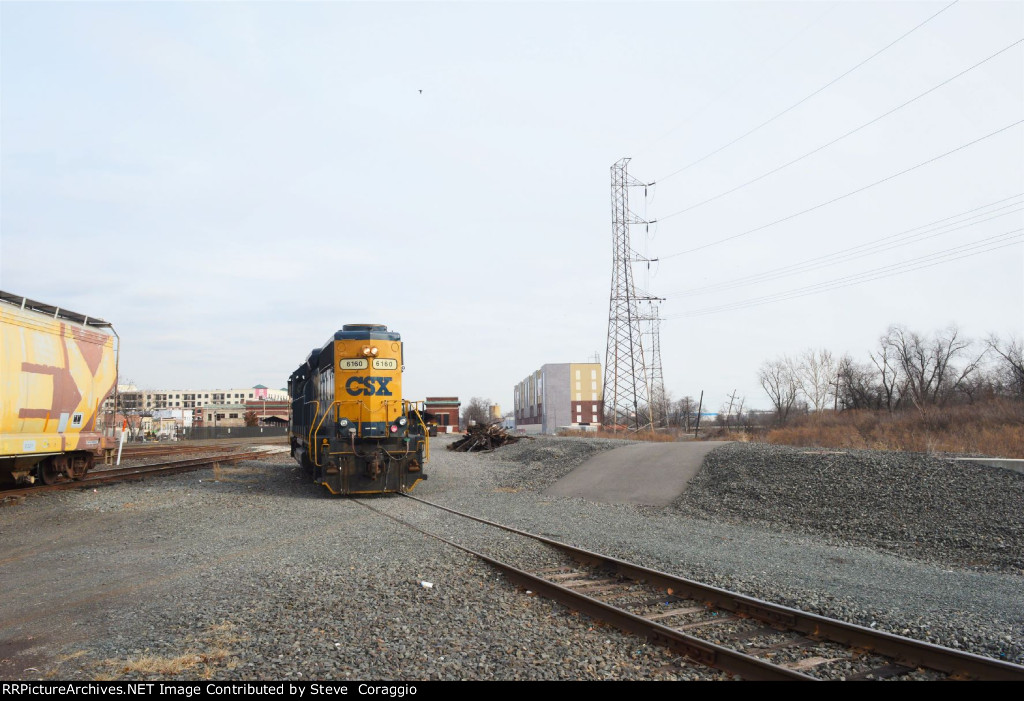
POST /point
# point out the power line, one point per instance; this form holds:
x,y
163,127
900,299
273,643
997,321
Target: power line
x,y
884,243
844,196
849,133
805,99
948,255
874,242
764,63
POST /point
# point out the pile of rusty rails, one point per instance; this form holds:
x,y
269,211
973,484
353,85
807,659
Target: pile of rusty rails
x,y
483,438
741,635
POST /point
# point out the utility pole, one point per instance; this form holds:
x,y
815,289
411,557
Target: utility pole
x,y
627,390
728,412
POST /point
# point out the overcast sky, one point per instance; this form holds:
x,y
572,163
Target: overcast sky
x,y
229,183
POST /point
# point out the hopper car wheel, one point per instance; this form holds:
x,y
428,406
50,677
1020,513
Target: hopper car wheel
x,y
79,466
48,471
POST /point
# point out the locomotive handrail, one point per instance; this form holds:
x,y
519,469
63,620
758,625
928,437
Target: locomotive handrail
x,y
310,439
339,402
316,448
426,431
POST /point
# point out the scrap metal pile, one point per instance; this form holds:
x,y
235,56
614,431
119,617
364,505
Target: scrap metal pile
x,y
483,437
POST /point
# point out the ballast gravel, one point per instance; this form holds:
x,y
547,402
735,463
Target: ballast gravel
x,y
252,572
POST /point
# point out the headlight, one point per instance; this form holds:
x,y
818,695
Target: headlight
x,y
402,421
343,422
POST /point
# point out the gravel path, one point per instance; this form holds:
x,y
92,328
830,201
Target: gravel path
x,y
253,573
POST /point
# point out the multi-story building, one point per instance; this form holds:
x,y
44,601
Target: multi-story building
x,y
559,395
132,399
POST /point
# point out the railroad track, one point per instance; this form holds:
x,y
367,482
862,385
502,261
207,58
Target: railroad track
x,y
132,452
119,474
748,637
137,450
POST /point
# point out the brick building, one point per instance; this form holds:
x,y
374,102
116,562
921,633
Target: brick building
x,y
445,411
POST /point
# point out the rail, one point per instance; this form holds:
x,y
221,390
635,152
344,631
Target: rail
x,y
602,580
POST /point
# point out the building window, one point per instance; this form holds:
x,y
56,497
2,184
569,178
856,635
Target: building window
x,y
595,418
593,374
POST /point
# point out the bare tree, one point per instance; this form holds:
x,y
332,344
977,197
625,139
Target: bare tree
x,y
477,410
928,365
779,381
816,378
887,363
684,412
1009,364
856,385
132,426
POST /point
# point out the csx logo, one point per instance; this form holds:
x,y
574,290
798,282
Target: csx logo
x,y
368,386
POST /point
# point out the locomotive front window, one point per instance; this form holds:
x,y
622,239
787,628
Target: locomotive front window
x,y
354,364
385,364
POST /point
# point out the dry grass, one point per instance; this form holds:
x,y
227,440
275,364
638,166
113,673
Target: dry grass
x,y
993,428
150,666
232,474
657,437
213,652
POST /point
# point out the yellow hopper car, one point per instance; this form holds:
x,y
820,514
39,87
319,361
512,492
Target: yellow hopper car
x,y
56,368
350,426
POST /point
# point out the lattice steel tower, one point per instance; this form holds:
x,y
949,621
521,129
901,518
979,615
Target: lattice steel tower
x,y
659,400
626,382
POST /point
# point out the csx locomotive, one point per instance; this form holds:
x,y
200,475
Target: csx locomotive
x,y
350,426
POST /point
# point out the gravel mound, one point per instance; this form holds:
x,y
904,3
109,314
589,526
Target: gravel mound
x,y
912,504
538,462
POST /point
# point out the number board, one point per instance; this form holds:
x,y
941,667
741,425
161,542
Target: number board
x,y
353,364
385,364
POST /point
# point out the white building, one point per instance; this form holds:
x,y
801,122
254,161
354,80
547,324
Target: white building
x,y
131,398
